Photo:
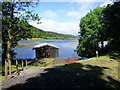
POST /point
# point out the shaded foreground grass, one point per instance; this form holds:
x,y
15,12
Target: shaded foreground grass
x,y
105,61
92,73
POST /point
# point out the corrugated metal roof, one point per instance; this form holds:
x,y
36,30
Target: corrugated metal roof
x,y
45,44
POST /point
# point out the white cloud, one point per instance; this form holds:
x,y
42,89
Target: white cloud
x,y
75,14
59,27
82,10
106,3
50,14
69,27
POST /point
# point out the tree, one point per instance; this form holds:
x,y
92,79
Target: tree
x,y
91,33
101,24
112,25
0,22
14,27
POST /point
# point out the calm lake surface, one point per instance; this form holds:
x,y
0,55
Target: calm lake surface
x,y
67,47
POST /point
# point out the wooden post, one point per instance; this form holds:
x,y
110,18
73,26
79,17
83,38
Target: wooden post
x,y
10,67
22,65
68,60
53,63
17,65
26,63
97,54
6,72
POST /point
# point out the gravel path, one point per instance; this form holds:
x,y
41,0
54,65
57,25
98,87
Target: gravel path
x,y
24,75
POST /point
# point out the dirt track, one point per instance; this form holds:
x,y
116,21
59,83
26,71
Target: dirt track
x,y
24,75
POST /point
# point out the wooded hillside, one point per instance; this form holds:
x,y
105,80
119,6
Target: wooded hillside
x,y
39,33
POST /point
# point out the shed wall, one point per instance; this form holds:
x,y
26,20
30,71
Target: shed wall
x,y
46,52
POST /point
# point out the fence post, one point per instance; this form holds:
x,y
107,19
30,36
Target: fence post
x,y
6,72
68,60
17,65
97,54
53,63
26,63
22,65
9,62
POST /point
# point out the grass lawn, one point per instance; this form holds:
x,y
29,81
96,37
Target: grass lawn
x,y
93,72
42,63
111,65
99,72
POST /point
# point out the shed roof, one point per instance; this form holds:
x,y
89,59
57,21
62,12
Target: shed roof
x,y
45,44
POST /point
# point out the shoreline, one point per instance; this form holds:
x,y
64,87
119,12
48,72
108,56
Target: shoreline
x,y
32,44
41,39
36,39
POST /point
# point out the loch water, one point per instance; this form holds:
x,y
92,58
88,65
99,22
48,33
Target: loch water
x,y
67,48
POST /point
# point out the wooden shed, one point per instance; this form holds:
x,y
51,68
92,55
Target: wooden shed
x,y
46,50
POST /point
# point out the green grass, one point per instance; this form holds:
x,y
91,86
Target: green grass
x,y
104,68
36,39
40,39
101,61
42,62
109,65
115,55
104,61
26,44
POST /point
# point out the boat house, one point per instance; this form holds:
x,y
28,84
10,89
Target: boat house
x,y
46,50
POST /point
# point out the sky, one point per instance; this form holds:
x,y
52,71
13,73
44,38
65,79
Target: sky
x,y
64,17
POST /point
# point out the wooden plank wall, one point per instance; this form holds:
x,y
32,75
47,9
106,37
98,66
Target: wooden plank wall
x,y
46,52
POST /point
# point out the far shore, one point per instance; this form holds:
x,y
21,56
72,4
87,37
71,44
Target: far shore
x,y
33,44
39,39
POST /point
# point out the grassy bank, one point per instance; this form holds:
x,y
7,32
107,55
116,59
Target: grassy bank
x,y
40,39
112,67
26,44
94,72
36,39
103,68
